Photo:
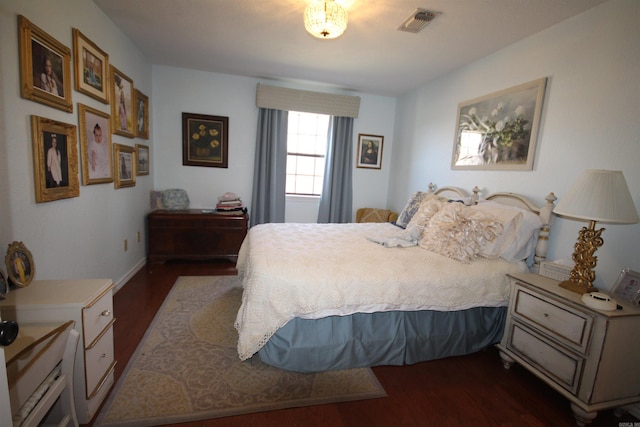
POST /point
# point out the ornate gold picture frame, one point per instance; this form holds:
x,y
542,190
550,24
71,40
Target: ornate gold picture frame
x,y
142,154
91,65
142,115
20,266
122,95
95,145
55,159
45,67
124,167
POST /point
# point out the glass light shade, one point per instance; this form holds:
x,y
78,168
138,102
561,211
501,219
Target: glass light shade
x,y
599,195
325,19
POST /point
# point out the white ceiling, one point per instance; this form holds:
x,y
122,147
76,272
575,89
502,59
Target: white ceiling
x,y
267,39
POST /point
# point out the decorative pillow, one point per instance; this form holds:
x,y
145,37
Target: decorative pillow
x,y
458,232
155,199
520,231
427,209
375,215
175,199
412,207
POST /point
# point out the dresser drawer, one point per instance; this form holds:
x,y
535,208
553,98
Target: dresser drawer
x,y
99,360
571,326
561,366
96,317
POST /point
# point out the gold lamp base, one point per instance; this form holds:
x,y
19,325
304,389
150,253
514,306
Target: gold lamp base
x,y
582,274
577,287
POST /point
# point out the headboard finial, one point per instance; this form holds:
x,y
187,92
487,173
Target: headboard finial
x,y
432,187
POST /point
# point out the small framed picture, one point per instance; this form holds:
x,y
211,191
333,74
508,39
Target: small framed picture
x,y
369,151
122,103
125,158
95,144
91,68
55,159
205,140
19,263
142,115
45,67
142,154
627,286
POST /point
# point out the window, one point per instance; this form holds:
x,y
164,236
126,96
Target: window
x,y
306,149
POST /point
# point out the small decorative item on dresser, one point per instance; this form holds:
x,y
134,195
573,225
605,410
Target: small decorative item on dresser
x,y
628,286
19,263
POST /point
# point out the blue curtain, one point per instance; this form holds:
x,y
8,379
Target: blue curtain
x,y
270,169
337,189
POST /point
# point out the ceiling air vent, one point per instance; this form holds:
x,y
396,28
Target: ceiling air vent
x,y
418,20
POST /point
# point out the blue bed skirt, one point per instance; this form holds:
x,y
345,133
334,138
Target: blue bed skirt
x,y
382,338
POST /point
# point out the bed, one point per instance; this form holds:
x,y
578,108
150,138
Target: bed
x,y
320,297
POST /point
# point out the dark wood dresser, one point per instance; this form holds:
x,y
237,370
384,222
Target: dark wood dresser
x,y
195,234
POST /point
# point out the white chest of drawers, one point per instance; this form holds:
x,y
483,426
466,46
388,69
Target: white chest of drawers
x,y
90,304
591,357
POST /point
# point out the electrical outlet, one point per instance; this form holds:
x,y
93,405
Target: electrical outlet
x,y
126,245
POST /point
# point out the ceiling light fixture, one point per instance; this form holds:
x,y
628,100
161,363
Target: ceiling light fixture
x,y
325,19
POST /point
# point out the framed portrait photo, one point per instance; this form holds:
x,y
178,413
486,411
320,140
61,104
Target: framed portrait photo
x,y
95,145
19,263
369,151
142,155
45,67
499,131
122,103
205,140
142,115
627,286
91,65
55,159
124,168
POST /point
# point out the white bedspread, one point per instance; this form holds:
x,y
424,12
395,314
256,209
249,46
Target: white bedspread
x,y
317,270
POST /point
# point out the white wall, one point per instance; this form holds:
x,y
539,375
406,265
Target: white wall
x,y
77,237
179,90
589,121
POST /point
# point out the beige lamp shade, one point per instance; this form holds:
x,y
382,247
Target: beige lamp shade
x,y
599,195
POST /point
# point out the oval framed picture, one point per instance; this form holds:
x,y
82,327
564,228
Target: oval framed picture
x,y
19,262
4,286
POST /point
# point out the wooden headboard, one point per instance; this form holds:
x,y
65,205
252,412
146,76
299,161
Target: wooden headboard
x,y
512,199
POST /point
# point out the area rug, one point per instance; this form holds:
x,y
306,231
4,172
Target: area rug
x,y
186,368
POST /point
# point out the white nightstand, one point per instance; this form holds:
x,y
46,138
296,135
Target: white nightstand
x,y
89,303
591,357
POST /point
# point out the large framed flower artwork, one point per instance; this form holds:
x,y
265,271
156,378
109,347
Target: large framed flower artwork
x,y
499,131
205,140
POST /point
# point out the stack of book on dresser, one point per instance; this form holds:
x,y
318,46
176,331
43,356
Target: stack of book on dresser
x,y
229,203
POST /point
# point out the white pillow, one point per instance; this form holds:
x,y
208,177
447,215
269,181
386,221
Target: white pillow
x,y
519,235
458,232
426,210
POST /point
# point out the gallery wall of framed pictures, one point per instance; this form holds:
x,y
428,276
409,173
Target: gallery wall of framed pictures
x,y
46,78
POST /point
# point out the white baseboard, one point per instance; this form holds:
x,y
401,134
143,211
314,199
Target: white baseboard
x,y
123,280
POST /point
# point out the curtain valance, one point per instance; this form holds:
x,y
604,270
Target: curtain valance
x,y
287,99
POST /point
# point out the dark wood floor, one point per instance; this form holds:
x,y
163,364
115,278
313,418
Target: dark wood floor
x,y
473,390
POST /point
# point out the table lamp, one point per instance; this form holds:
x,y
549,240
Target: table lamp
x,y
597,196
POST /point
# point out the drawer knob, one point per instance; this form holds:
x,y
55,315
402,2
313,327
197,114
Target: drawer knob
x,y
103,355
545,314
106,313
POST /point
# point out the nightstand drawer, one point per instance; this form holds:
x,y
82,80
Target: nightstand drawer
x,y
570,326
99,359
97,317
562,367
